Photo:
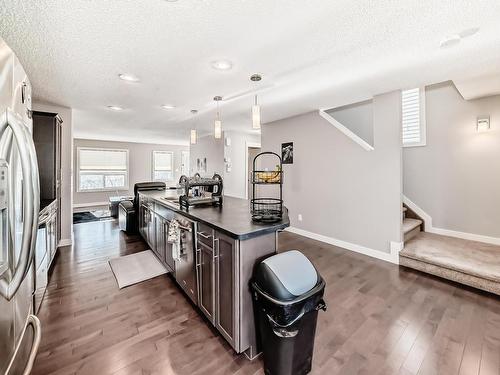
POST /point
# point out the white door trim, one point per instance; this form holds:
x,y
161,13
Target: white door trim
x,y
248,145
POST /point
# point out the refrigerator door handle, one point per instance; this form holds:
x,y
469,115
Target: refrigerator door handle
x,y
36,189
31,204
37,335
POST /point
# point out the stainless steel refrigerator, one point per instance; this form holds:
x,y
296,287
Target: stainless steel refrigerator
x,y
20,330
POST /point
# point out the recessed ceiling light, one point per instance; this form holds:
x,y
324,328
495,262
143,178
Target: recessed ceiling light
x,y
128,77
171,1
450,41
168,106
222,64
115,107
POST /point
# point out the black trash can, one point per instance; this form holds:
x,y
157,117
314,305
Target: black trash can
x,y
126,216
288,293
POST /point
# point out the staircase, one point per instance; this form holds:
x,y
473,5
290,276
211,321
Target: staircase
x,y
471,263
411,225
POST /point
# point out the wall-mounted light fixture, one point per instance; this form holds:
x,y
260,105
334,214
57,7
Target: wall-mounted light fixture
x,y
218,122
483,123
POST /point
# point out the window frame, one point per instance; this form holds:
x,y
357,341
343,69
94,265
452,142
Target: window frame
x,y
78,172
153,165
422,119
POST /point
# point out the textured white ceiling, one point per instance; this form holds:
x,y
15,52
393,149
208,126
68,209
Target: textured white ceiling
x,y
312,54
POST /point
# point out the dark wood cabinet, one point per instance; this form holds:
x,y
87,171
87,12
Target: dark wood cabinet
x,y
142,218
169,259
151,230
147,226
225,286
159,249
216,273
214,269
205,276
47,137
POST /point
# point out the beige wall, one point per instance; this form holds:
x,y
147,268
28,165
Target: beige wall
x,y
342,191
140,167
213,150
456,177
216,151
66,166
358,118
235,180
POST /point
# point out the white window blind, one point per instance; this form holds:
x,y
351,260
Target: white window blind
x,y
102,169
413,117
163,165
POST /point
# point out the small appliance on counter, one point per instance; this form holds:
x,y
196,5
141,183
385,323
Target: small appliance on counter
x,y
267,209
200,191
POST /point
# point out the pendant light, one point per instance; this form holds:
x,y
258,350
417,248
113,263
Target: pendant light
x,y
193,136
218,122
256,115
256,106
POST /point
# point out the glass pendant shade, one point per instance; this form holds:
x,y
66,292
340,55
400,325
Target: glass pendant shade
x,y
256,116
218,129
193,136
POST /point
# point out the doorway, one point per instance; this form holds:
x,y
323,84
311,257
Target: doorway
x,y
252,151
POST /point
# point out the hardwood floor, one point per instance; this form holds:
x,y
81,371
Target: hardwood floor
x,y
381,319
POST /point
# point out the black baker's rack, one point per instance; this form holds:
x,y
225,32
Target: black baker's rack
x,y
267,209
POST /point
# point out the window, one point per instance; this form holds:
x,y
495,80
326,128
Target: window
x,y
102,169
163,165
413,117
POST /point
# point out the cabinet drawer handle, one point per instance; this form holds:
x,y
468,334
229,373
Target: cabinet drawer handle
x,y
187,229
205,246
216,253
197,256
203,235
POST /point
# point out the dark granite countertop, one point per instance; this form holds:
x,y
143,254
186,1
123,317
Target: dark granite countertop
x,y
233,218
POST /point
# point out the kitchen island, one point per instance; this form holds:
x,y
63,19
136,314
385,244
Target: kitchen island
x,y
219,247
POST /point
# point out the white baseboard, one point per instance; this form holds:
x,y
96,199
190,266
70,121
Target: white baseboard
x,y
396,247
65,242
430,228
90,204
464,235
392,257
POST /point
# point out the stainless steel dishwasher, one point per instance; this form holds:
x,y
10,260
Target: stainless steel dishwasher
x,y
185,271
